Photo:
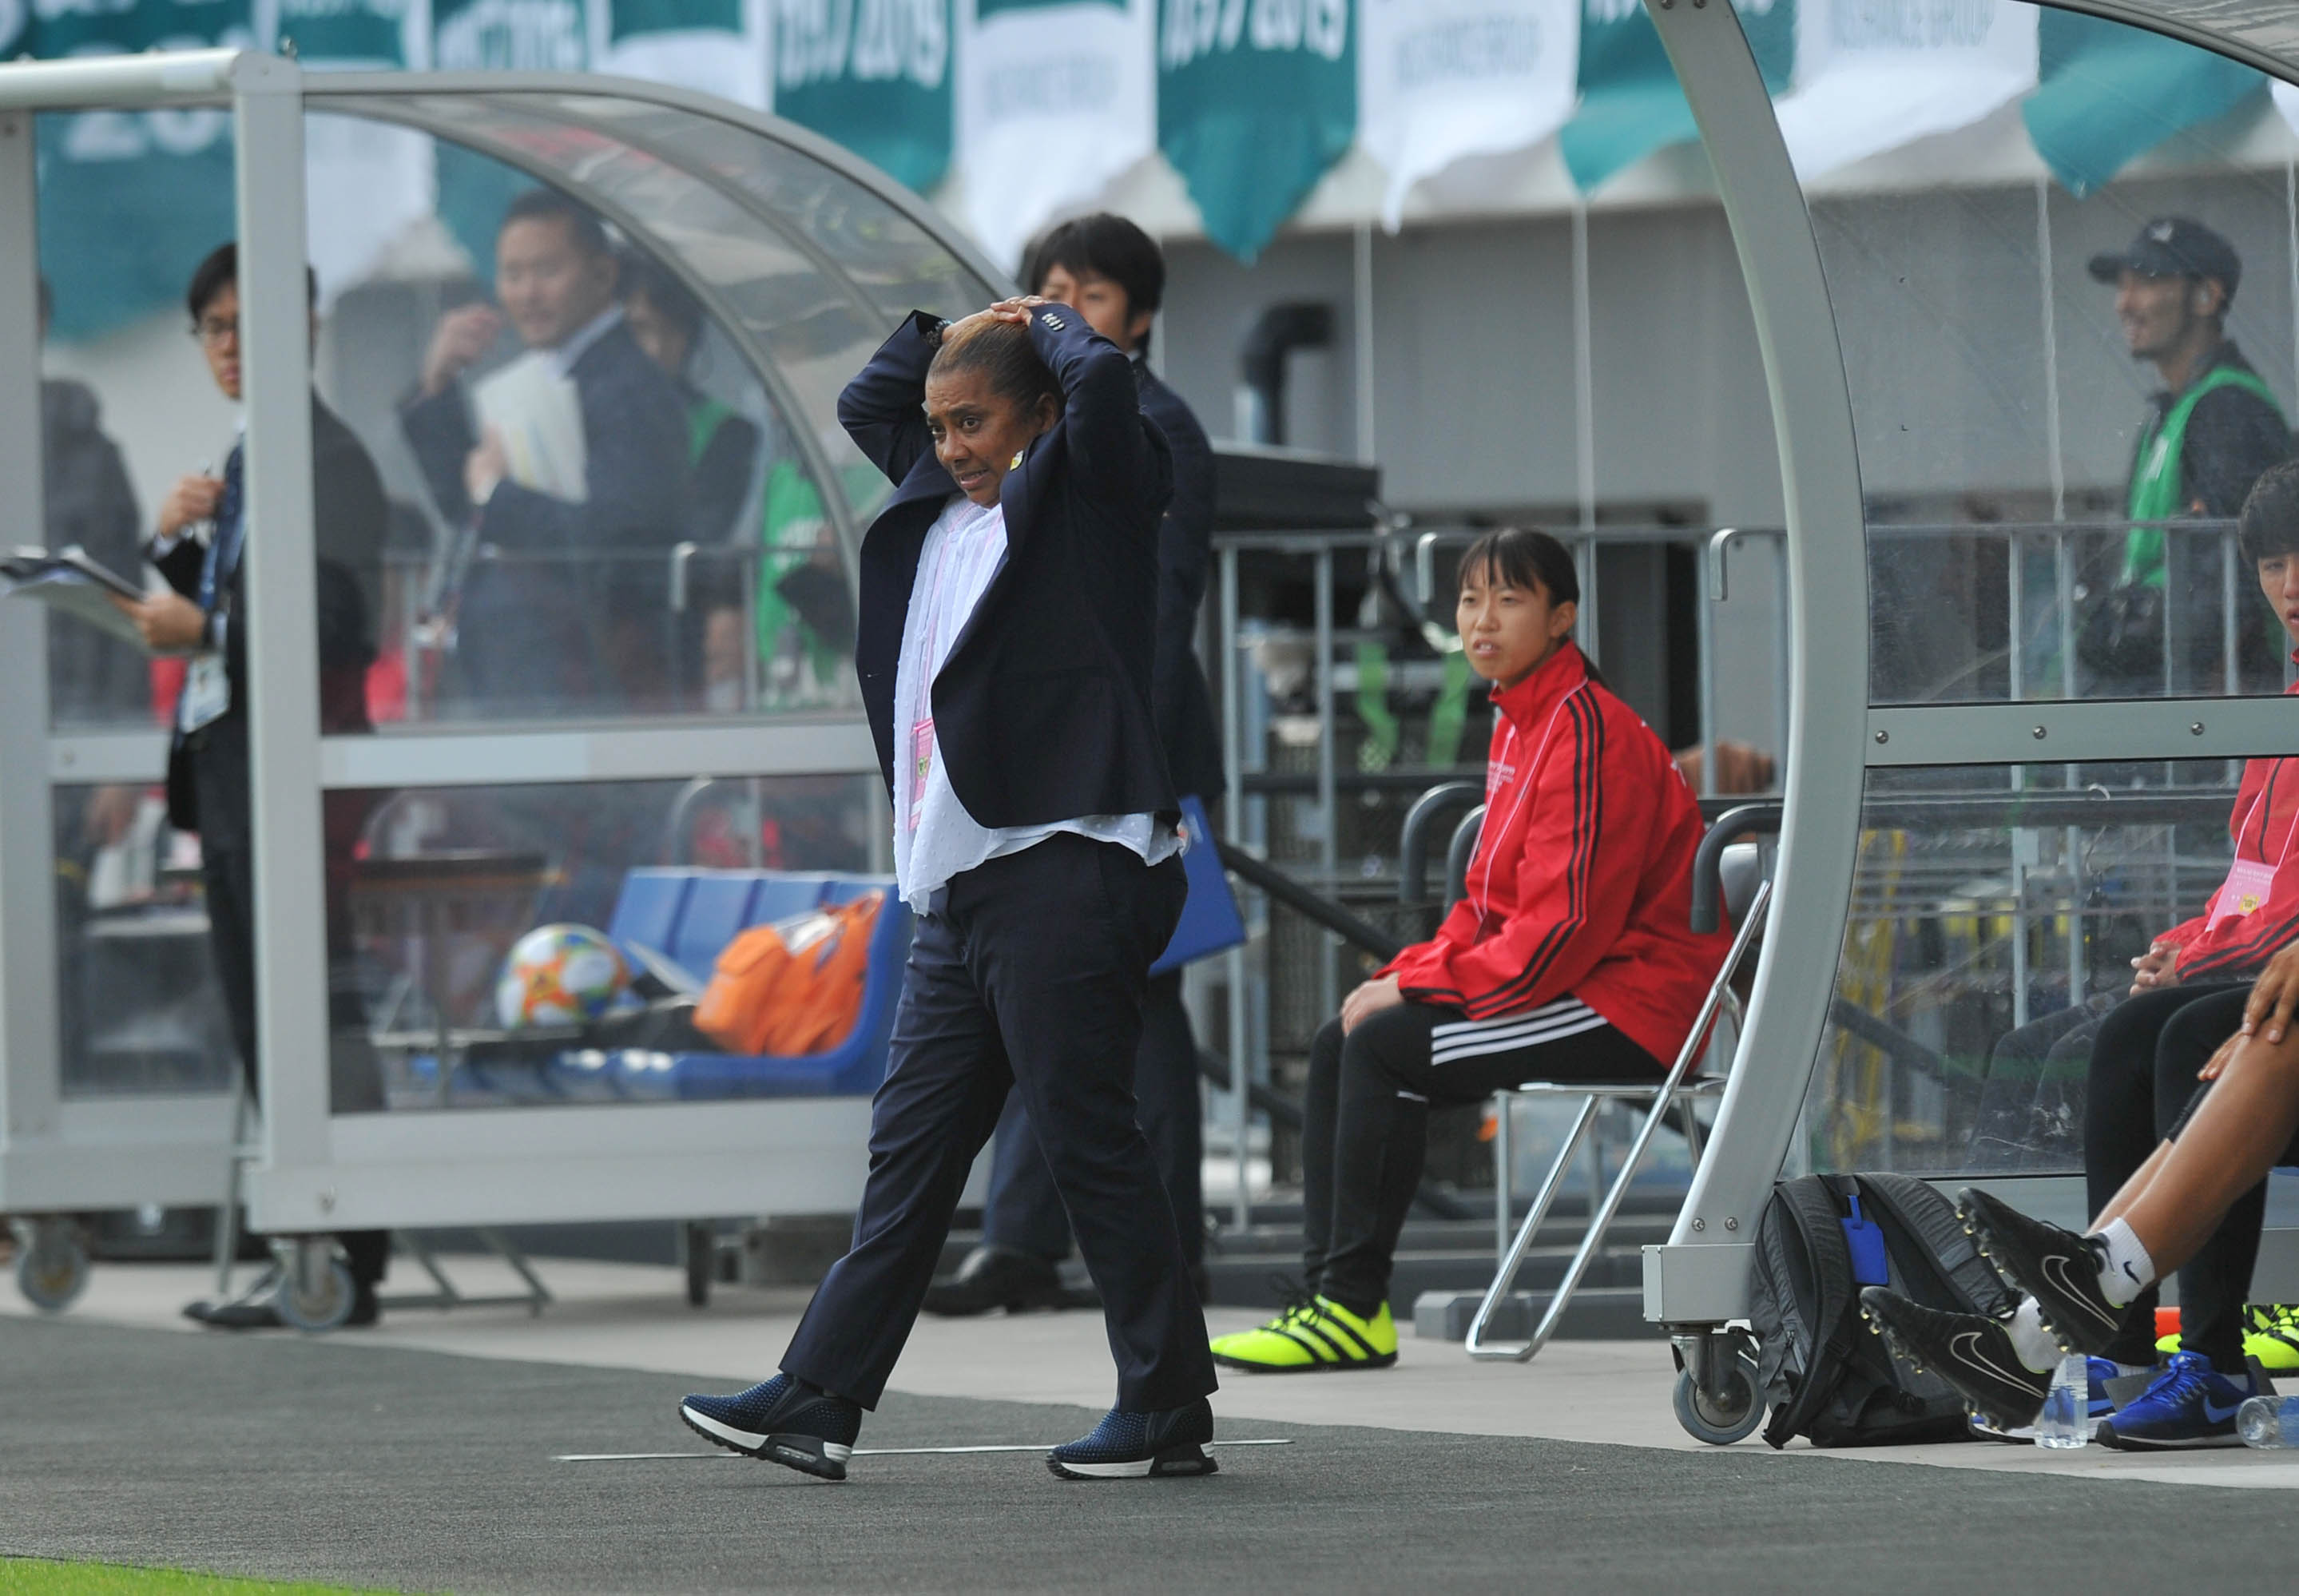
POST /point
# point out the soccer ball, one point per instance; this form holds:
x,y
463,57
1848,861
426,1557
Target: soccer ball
x,y
559,976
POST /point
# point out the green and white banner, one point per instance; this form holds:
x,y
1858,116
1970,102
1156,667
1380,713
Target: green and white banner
x,y
717,46
2110,94
1630,101
1872,75
1056,100
872,75
1441,80
1257,99
130,200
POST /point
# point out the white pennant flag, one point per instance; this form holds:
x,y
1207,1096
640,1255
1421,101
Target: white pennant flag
x,y
1056,99
1872,75
719,48
1438,80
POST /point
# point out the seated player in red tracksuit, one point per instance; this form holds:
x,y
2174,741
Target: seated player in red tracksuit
x,y
1572,958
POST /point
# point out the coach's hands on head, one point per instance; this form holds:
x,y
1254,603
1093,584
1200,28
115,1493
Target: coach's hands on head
x,y
2267,1015
1370,999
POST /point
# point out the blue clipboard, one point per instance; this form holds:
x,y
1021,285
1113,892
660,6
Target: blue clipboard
x,y
1210,923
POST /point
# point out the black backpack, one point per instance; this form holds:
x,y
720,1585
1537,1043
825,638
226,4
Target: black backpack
x,y
1822,1238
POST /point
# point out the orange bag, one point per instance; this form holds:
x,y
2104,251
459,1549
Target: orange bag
x,y
793,986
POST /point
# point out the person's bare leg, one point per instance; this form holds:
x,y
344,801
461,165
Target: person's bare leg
x,y
2132,1189
2241,1127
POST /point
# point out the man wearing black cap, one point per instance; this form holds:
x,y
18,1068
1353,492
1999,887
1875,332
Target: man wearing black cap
x,y
2210,432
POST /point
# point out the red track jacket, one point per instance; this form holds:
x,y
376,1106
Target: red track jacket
x,y
2265,826
1582,882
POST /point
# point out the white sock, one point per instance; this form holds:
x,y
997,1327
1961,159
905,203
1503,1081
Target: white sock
x,y
2128,1270
2030,1341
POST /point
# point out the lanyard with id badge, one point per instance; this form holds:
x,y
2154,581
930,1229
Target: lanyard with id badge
x,y
206,697
2248,880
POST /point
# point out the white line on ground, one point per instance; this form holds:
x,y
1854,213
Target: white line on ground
x,y
859,1452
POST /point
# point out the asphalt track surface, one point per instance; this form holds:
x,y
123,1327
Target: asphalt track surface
x,y
276,1457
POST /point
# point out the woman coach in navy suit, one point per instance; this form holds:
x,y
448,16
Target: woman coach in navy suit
x,y
1007,611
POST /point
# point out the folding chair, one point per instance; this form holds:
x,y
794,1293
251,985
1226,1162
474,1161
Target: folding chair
x,y
1747,895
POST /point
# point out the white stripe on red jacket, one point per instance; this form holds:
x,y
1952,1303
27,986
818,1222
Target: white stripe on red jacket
x,y
1582,882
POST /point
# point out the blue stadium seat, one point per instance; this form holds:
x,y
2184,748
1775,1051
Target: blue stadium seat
x,y
717,906
779,897
647,910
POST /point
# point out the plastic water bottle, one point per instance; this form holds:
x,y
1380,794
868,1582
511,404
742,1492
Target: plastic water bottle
x,y
2065,1422
2269,1423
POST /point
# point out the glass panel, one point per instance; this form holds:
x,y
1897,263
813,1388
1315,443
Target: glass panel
x,y
658,543
449,883
1991,929
2026,305
129,406
140,1009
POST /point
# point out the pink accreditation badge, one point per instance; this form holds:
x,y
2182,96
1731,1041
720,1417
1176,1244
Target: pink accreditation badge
x,y
2249,881
2246,888
922,745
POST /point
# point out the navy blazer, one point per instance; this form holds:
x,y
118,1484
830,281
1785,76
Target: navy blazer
x,y
635,458
1185,555
536,636
1043,709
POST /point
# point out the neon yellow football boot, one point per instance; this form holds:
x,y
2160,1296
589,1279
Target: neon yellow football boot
x,y
2270,1335
1311,1335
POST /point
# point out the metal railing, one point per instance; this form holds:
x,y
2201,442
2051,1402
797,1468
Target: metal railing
x,y
666,593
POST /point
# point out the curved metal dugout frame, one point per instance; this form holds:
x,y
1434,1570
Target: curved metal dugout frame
x,y
1701,1275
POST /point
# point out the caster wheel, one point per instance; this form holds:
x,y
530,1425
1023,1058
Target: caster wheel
x,y
315,1294
51,1265
701,1249
1720,1420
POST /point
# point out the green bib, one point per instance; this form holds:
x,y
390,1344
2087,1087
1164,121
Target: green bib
x,y
704,417
2158,493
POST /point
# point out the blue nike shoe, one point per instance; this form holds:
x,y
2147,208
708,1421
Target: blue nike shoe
x,y
2102,1406
2191,1404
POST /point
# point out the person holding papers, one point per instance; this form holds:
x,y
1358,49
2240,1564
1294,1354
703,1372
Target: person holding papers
x,y
571,461
203,533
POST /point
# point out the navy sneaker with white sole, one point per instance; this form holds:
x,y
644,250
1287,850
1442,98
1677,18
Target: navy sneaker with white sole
x,y
1139,1446
1972,1354
781,1421
2191,1404
2057,1267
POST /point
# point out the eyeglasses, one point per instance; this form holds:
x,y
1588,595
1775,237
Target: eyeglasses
x,y
212,330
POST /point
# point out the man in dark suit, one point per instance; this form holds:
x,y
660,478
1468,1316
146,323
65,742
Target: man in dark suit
x,y
1112,273
205,614
1004,653
586,506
